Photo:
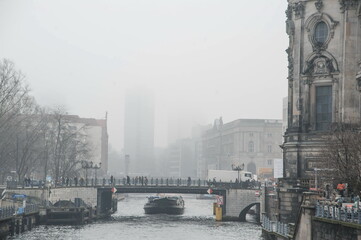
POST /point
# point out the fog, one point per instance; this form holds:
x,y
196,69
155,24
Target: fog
x,y
202,59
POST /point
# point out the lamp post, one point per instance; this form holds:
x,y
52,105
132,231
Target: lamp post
x,y
316,177
96,167
238,168
86,165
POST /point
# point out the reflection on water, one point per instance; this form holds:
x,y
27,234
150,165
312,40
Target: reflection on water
x,y
130,222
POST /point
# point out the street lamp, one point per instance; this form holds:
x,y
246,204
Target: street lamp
x,y
316,177
96,167
238,168
86,165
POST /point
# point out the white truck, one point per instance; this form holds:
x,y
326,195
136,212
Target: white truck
x,y
228,176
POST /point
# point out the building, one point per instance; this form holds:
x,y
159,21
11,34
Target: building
x,y
252,142
181,159
323,87
139,131
96,133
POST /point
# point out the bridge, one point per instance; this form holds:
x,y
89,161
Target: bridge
x,y
238,198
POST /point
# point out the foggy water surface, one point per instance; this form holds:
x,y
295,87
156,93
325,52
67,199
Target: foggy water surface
x,y
130,223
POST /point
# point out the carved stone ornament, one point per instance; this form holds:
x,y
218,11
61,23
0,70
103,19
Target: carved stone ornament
x,y
299,9
348,4
289,12
290,27
358,77
319,5
320,64
290,63
310,25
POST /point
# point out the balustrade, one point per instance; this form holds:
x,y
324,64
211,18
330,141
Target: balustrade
x,y
335,212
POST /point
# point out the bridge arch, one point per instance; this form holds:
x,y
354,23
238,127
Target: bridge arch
x,y
242,215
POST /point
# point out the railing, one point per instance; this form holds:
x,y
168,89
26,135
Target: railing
x,y
275,226
31,208
8,212
334,212
149,182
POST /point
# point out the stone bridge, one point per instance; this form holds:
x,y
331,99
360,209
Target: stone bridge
x,y
236,201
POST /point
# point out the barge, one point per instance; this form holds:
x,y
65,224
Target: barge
x,y
165,204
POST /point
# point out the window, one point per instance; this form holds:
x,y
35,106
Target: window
x,y
269,134
321,32
323,107
270,162
251,134
251,147
269,148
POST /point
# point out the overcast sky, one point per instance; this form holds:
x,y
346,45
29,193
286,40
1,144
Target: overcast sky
x,y
203,58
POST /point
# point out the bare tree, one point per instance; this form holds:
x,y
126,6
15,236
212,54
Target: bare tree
x,y
14,101
342,154
67,145
32,138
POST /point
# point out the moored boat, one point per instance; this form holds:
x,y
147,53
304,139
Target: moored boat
x,y
164,204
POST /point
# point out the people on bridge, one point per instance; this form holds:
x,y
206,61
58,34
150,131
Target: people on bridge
x,y
76,181
111,179
145,181
189,181
128,180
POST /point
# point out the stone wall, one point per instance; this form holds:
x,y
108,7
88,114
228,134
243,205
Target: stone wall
x,y
289,205
239,199
322,230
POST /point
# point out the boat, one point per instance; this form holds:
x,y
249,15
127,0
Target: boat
x,y
164,204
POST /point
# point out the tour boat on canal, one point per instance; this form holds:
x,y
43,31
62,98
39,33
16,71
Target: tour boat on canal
x,y
164,204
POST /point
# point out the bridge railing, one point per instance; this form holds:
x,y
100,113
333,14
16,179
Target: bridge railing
x,y
340,213
10,211
152,181
7,212
275,226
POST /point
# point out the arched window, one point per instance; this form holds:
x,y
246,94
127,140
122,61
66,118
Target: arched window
x,y
251,147
321,32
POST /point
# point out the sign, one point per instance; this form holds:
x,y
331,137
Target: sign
x,y
278,168
219,200
209,191
114,190
257,193
15,196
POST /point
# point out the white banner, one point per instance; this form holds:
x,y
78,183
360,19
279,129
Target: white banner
x,y
278,168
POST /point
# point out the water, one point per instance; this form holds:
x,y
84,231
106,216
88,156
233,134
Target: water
x,y
131,223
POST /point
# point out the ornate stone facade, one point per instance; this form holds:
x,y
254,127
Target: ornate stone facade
x,y
324,82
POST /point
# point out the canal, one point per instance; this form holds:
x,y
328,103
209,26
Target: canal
x,y
131,223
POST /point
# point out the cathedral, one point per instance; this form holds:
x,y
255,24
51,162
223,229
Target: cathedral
x,y
324,84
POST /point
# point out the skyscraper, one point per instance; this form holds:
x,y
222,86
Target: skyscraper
x,y
139,130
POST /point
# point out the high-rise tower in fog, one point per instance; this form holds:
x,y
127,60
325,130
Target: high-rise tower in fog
x,y
139,130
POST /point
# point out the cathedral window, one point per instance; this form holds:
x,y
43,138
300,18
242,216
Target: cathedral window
x,y
321,32
323,107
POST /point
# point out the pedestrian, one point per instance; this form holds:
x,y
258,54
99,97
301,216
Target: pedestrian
x,y
145,181
67,181
128,180
341,188
189,181
142,180
76,181
111,179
